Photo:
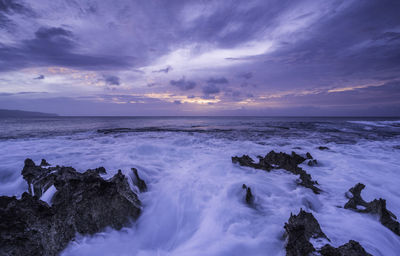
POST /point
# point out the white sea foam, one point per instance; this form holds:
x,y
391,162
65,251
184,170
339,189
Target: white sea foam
x,y
48,194
195,203
395,123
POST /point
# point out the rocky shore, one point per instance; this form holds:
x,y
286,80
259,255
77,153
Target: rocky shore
x,y
61,202
83,203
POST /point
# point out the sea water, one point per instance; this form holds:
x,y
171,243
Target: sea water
x,y
195,202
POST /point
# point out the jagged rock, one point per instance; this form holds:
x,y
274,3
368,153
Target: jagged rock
x,y
312,162
245,160
44,163
323,148
138,181
351,248
99,170
299,229
31,173
302,227
26,227
377,206
309,156
249,195
84,203
280,160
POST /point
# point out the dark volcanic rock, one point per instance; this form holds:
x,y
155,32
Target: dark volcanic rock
x,y
299,229
32,173
312,162
249,195
245,160
302,227
44,163
83,203
280,160
26,227
351,248
377,207
138,181
309,156
323,148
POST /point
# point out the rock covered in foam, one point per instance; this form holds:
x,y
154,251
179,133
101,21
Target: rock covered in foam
x,y
138,181
281,160
249,195
299,230
377,207
84,203
303,227
351,248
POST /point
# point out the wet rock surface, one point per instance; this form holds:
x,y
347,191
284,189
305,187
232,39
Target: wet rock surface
x,y
138,181
281,160
249,195
299,230
303,227
44,163
376,207
351,248
312,162
84,203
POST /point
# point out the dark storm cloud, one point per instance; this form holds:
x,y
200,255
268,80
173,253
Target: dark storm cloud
x,y
40,77
246,75
53,46
358,41
219,80
232,23
183,84
210,89
9,8
112,80
163,70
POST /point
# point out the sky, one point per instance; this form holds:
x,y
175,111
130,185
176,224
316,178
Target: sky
x,y
253,57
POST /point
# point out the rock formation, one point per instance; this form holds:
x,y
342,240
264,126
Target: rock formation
x,y
83,203
377,207
138,181
280,160
249,195
303,227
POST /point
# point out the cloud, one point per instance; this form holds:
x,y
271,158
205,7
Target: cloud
x,y
9,8
246,75
220,80
163,70
210,89
54,46
177,102
183,84
112,80
40,77
255,48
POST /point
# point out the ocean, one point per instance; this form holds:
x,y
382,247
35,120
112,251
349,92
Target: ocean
x,y
195,201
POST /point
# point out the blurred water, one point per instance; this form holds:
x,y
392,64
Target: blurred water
x,y
195,204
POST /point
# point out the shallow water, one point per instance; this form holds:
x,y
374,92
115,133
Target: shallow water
x,y
195,203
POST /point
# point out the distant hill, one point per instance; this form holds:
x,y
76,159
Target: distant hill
x,y
20,113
